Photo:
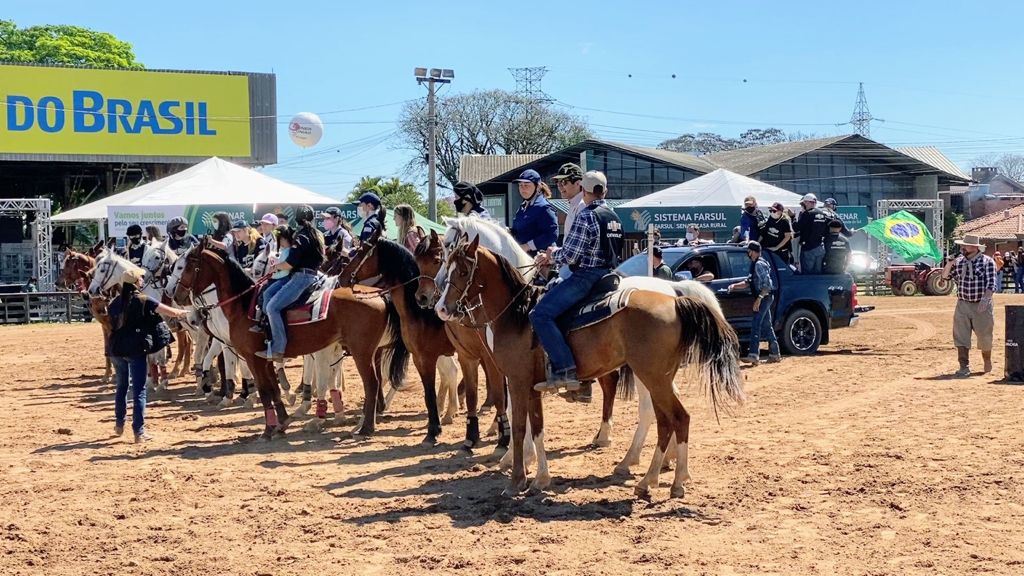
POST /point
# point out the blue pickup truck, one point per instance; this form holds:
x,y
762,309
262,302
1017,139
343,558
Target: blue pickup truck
x,y
807,307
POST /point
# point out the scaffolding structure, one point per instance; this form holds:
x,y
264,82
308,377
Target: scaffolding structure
x,y
935,209
37,209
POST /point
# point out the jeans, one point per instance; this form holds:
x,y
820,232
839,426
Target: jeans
x,y
811,259
560,298
999,281
1018,278
278,297
762,326
135,367
263,293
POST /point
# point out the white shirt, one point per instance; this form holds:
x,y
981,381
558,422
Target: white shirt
x,y
575,205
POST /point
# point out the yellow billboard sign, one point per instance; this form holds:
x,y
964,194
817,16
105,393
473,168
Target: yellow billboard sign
x,y
47,110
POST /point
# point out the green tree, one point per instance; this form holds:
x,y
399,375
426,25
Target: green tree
x,y
64,45
486,122
393,192
708,142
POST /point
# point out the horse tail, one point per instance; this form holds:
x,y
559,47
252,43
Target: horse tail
x,y
626,384
709,345
396,356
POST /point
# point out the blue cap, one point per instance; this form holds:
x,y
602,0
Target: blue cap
x,y
529,176
370,198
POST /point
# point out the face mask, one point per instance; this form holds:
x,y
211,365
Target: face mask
x,y
362,212
748,209
179,234
136,240
776,215
329,224
460,204
691,236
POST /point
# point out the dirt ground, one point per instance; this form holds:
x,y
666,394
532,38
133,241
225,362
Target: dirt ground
x,y
864,460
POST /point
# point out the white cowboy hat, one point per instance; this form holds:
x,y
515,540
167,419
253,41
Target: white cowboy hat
x,y
970,240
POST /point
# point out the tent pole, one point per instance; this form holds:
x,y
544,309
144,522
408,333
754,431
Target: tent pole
x,y
650,249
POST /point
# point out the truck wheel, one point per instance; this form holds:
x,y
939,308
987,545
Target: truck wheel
x,y
801,333
908,288
937,286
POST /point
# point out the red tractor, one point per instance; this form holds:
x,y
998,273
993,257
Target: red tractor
x,y
909,279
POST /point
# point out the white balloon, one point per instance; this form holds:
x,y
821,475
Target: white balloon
x,y
305,129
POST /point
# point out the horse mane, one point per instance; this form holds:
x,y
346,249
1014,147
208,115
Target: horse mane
x,y
237,278
507,245
525,295
398,267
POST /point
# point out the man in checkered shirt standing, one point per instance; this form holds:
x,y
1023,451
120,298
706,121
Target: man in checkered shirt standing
x,y
975,277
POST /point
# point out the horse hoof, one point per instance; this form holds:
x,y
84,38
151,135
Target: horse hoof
x,y
600,443
621,470
268,434
429,442
513,489
499,453
290,398
492,431
250,402
447,420
540,483
642,492
226,402
677,492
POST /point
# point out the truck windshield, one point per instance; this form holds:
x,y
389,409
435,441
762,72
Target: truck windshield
x,y
637,265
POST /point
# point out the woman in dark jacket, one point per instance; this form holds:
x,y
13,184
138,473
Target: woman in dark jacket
x,y
133,317
535,225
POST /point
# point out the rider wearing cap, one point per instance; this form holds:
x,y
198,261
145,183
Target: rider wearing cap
x,y
591,251
338,236
369,211
469,201
179,240
762,286
534,226
304,259
136,248
569,182
247,243
268,223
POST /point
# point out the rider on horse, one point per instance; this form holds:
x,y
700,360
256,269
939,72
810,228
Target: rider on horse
x,y
304,259
179,240
339,233
535,226
469,201
369,207
136,248
591,251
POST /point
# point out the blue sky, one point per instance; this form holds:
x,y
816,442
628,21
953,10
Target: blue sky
x,y
940,72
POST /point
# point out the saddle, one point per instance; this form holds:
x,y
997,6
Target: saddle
x,y
312,306
604,301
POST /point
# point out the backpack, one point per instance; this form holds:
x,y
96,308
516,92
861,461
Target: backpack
x,y
141,333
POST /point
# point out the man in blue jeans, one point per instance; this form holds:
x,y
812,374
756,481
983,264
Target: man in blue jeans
x,y
136,367
592,249
760,283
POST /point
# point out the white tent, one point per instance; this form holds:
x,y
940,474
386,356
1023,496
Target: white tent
x,y
211,182
719,188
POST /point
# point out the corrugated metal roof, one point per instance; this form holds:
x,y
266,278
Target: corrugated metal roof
x,y
933,156
749,161
1001,225
680,159
477,168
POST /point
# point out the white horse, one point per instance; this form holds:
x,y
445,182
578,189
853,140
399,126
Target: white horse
x,y
495,238
158,261
200,337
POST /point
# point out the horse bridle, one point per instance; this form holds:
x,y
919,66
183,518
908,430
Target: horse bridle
x,y
462,306
371,281
161,274
108,274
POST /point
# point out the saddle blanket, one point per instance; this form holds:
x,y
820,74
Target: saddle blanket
x,y
594,311
311,307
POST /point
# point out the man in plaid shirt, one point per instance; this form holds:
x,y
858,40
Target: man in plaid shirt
x,y
591,251
975,276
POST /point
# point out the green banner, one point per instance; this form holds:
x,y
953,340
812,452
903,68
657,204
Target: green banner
x,y
853,216
200,218
672,222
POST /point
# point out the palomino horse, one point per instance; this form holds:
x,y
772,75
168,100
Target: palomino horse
x,y
76,274
652,335
393,269
362,325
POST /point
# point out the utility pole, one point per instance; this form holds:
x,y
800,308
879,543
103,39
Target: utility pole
x,y
431,79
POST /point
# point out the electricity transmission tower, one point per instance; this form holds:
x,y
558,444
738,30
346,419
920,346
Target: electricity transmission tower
x,y
861,118
528,83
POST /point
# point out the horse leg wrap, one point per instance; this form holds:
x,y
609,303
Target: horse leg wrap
x,y
337,402
307,392
321,408
246,385
472,432
504,431
271,417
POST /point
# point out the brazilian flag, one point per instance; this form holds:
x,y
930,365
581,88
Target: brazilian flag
x,y
906,235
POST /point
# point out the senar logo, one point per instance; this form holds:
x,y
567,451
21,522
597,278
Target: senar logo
x,y
92,113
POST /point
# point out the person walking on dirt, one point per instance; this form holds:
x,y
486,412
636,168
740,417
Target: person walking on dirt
x,y
975,277
761,285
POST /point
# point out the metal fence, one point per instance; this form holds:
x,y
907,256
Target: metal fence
x,y
27,307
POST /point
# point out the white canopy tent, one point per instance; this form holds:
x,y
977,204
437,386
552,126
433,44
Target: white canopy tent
x,y
718,188
211,182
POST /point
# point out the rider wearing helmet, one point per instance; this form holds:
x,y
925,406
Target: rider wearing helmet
x,y
136,248
180,241
304,259
469,201
535,225
369,211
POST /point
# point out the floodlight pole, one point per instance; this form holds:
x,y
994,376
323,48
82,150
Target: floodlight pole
x,y
436,76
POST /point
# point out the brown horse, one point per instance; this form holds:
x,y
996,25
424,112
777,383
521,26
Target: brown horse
x,y
651,335
391,267
361,324
469,342
75,274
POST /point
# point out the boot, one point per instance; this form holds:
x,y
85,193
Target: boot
x,y
986,356
964,358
